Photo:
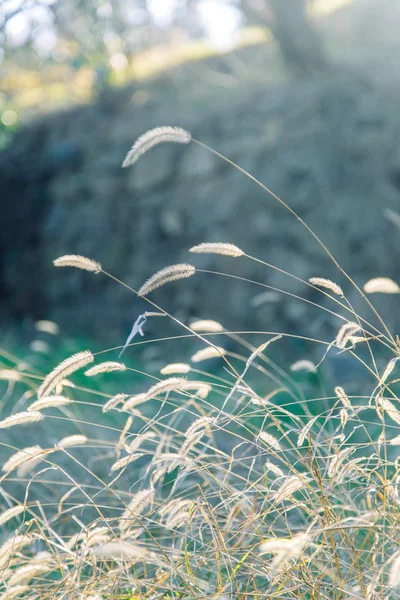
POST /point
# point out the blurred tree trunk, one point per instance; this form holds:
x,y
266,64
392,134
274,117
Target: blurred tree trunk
x,y
299,41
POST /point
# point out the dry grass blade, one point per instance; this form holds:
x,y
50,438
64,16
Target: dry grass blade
x,y
171,273
152,138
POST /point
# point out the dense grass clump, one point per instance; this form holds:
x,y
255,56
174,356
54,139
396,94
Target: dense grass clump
x,y
227,483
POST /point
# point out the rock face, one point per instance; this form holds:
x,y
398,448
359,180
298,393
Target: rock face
x,y
329,149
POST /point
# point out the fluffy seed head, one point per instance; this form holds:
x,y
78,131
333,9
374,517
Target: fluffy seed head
x,y
65,368
49,402
171,273
341,394
153,137
79,262
201,388
344,334
206,353
134,401
14,591
21,418
26,573
326,284
126,460
47,327
113,402
270,440
10,513
389,409
21,457
174,368
291,485
381,285
105,367
305,431
72,440
136,506
198,425
394,575
206,326
273,468
119,550
303,365
217,248
172,383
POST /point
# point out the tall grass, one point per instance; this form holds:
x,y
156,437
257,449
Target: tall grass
x,y
227,484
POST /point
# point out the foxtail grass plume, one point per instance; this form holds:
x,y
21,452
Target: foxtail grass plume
x,y
65,368
284,549
198,425
12,512
270,441
305,431
126,460
20,457
174,368
201,388
206,326
15,591
113,402
152,138
381,285
136,506
327,284
105,367
24,574
207,353
291,485
47,327
49,402
389,408
134,401
270,466
165,275
119,550
394,575
21,418
72,440
303,365
223,248
167,385
341,394
79,262
345,333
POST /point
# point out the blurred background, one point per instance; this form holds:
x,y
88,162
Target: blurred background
x,y
302,94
